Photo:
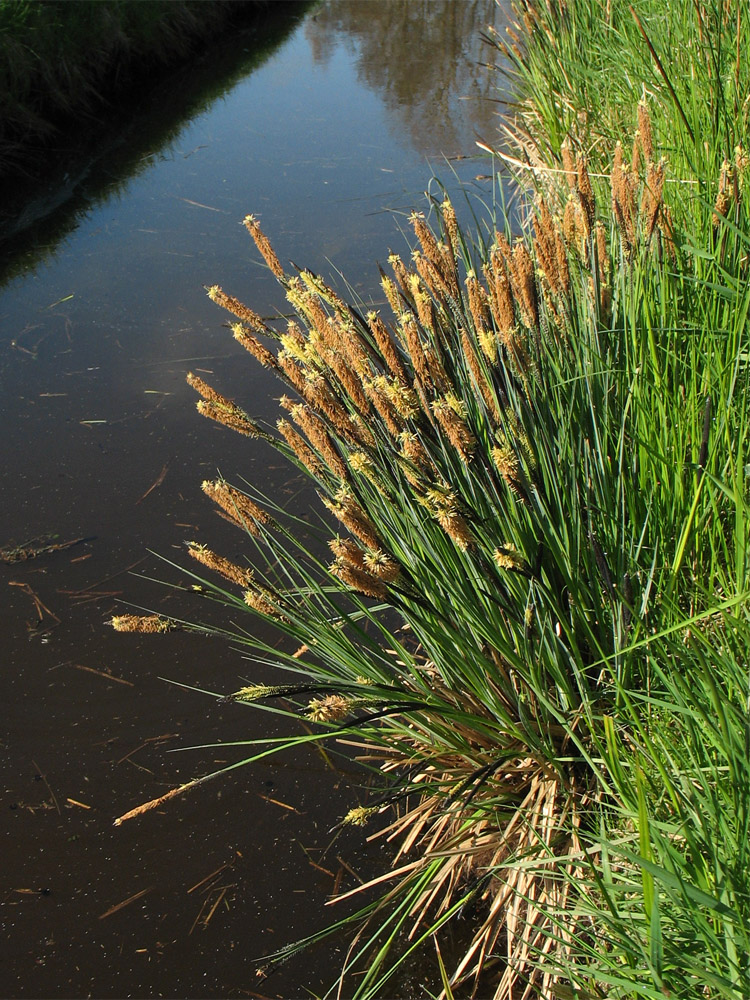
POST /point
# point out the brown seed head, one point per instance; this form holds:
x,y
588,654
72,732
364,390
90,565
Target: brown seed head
x,y
386,346
259,602
652,195
348,551
452,232
197,383
724,196
261,241
478,302
331,708
502,301
569,163
243,336
508,557
401,396
141,623
524,285
236,307
645,134
358,579
354,518
479,375
381,565
666,227
301,449
320,439
359,816
451,415
225,412
375,389
423,302
238,507
427,239
434,278
229,570
392,295
415,455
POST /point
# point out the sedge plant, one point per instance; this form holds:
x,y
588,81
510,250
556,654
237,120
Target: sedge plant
x,y
531,626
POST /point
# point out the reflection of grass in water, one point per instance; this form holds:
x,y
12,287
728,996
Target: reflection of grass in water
x,y
63,58
100,164
533,627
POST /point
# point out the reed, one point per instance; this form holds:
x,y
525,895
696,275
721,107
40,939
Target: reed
x,y
534,632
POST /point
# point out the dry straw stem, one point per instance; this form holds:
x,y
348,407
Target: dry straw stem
x,y
523,900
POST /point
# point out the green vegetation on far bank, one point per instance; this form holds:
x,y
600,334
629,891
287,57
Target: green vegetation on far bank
x,y
64,59
532,627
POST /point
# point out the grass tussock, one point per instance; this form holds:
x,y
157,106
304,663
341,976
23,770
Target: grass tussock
x,y
532,624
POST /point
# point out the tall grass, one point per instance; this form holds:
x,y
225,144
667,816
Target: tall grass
x,y
533,630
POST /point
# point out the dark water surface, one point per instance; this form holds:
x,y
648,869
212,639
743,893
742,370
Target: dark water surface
x,y
331,139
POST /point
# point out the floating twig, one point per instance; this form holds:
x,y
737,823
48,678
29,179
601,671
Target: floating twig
x,y
21,553
44,779
103,673
157,482
124,903
40,607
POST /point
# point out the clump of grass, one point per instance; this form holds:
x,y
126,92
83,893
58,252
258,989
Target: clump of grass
x,y
532,625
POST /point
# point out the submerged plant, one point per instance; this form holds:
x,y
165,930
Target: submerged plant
x,y
533,624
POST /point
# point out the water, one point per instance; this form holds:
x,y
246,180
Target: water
x,y
330,134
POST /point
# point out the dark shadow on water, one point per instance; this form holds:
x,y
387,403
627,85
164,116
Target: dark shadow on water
x,y
96,160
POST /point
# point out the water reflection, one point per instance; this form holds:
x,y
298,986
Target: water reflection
x,y
425,60
97,163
